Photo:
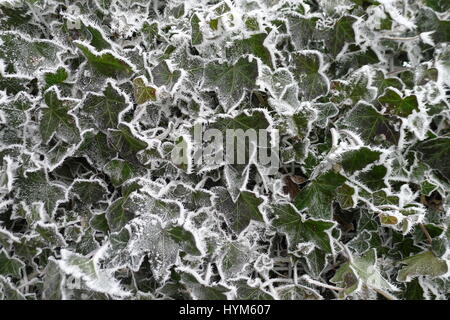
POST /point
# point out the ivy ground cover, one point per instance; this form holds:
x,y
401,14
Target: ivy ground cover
x,y
96,96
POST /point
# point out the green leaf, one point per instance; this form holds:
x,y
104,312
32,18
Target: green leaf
x,y
117,215
149,238
50,233
13,84
89,191
235,255
414,290
231,81
96,38
373,126
119,171
10,266
106,64
438,5
104,109
95,148
27,56
10,292
142,92
362,269
422,264
184,238
307,70
56,119
238,214
125,143
381,82
196,33
253,45
246,292
300,230
16,112
164,76
303,31
52,281
201,291
341,34
374,178
436,153
57,77
344,195
319,194
355,160
192,199
397,105
36,187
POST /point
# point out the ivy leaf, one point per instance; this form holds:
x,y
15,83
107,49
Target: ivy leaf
x,y
231,81
52,282
184,238
35,187
300,230
246,292
371,124
28,56
49,232
192,199
374,178
106,64
55,78
307,70
253,45
164,76
238,214
10,292
436,153
341,34
422,264
16,111
438,5
142,92
318,195
303,31
125,143
86,269
149,237
88,191
95,148
117,215
201,291
10,266
235,255
359,159
56,119
396,104
96,38
344,195
196,33
362,269
119,171
105,109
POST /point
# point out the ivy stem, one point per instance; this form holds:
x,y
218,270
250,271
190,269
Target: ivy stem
x,y
401,38
425,232
385,294
320,284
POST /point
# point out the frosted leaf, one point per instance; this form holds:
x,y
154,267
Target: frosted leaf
x,y
28,55
87,269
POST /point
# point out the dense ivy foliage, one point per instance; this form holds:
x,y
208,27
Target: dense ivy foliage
x,y
95,94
